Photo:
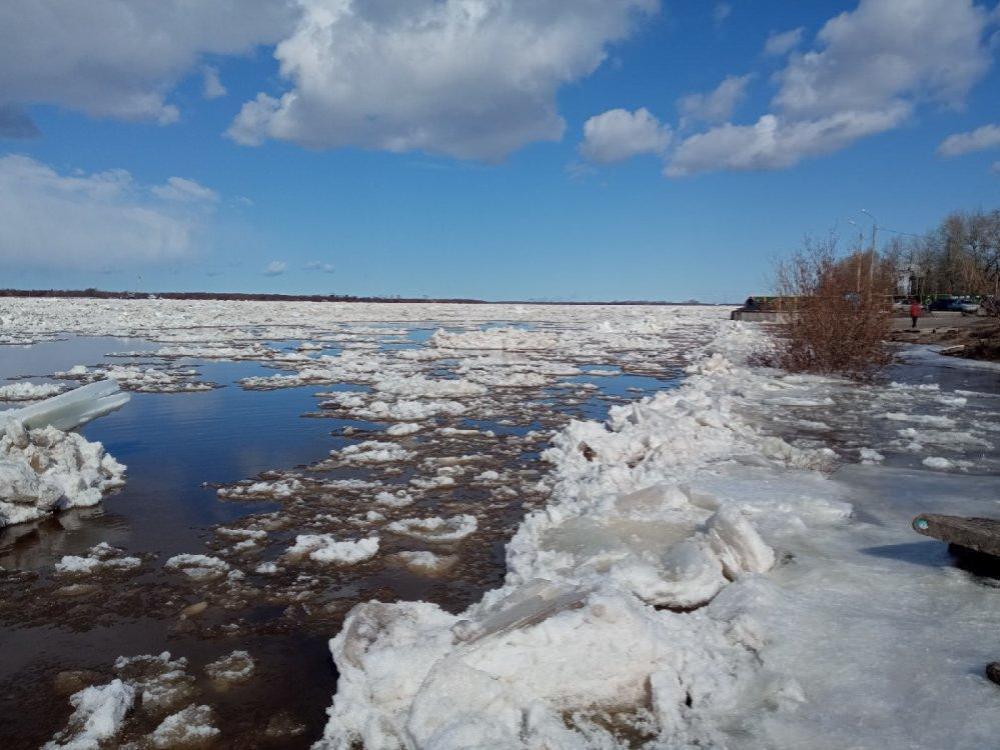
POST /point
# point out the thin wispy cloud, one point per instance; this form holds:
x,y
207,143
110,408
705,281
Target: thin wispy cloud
x,y
275,268
315,265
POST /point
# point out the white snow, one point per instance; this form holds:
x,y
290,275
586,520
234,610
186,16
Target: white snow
x,y
397,499
198,567
695,580
102,557
44,470
235,667
678,502
190,727
324,548
436,529
372,451
28,391
99,712
426,563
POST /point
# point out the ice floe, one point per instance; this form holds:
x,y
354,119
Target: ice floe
x,y
45,470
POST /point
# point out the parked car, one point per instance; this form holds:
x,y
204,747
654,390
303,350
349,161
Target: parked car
x,y
946,304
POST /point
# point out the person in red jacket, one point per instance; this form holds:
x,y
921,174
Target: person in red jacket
x,y
915,312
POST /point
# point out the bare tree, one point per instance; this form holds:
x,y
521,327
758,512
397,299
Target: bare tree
x,y
838,311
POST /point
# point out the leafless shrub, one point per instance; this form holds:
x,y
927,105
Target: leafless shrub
x,y
838,311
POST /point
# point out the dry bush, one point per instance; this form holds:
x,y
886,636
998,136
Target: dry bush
x,y
839,312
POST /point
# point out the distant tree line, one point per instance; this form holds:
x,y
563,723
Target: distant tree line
x,y
960,256
244,296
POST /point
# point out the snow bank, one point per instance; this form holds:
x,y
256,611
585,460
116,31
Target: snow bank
x,y
595,616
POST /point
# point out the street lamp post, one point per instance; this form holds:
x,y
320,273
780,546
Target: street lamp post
x,y
871,268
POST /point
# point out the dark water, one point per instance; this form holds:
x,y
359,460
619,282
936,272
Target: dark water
x,y
173,444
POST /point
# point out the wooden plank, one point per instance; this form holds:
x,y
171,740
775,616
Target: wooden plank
x,y
979,534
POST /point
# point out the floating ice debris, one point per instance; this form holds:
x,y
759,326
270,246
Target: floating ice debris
x,y
418,386
451,529
511,339
870,456
931,420
98,715
403,428
266,568
235,667
29,391
397,499
198,567
161,682
279,489
44,470
426,563
938,462
188,728
101,558
324,548
69,410
373,451
144,380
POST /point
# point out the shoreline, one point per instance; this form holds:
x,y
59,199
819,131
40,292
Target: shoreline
x,y
965,337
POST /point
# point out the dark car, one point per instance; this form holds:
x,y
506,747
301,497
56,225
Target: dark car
x,y
946,304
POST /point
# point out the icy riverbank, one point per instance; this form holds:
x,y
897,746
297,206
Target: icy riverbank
x,y
641,608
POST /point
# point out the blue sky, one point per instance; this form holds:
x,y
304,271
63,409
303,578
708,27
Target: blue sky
x,y
376,178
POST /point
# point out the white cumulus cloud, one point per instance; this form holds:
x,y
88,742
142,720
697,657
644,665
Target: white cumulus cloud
x,y
121,58
472,80
618,134
886,51
79,220
869,70
275,268
716,105
774,142
782,43
980,139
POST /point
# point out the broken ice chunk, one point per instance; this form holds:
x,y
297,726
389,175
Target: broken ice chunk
x,y
435,529
69,410
190,727
527,605
235,667
324,548
98,716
